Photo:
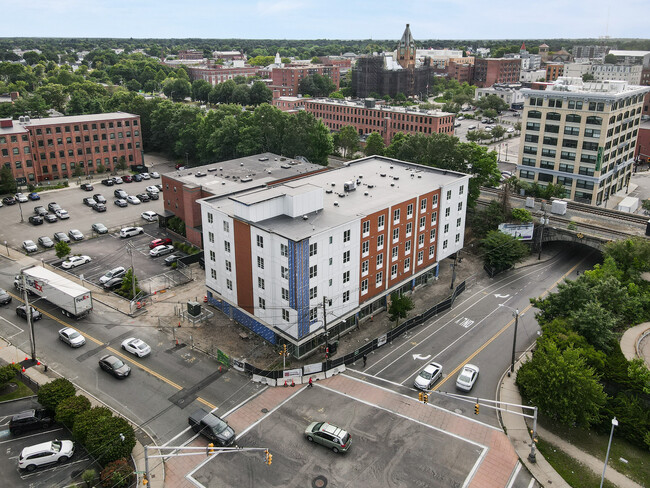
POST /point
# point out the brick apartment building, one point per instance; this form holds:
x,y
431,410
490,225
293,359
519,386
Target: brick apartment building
x,y
50,149
190,54
554,71
488,71
218,74
367,117
461,71
278,259
286,79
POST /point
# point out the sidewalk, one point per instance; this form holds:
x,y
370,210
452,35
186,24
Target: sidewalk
x,y
517,431
37,374
635,343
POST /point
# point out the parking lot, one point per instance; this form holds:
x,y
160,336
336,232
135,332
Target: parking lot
x,y
14,231
52,475
387,449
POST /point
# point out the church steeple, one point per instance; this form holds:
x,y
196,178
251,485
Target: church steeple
x,y
406,49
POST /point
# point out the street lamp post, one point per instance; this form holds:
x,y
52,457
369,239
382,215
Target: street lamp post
x,y
20,206
506,152
543,220
611,434
515,312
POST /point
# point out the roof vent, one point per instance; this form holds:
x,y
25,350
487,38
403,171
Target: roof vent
x,y
305,217
336,204
341,195
360,176
333,184
329,191
392,184
391,167
365,193
371,186
419,176
396,178
383,175
241,164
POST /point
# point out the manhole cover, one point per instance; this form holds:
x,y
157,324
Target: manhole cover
x,y
265,410
319,482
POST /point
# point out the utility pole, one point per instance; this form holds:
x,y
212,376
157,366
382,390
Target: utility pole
x,y
327,346
453,270
28,309
543,220
130,251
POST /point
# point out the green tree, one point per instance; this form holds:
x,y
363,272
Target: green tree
x,y
562,385
316,85
587,77
51,394
88,421
113,437
639,372
487,220
117,474
121,164
400,306
596,324
374,145
70,408
127,284
501,250
260,93
133,85
315,60
611,59
521,215
491,102
7,180
348,140
78,171
498,132
62,249
7,374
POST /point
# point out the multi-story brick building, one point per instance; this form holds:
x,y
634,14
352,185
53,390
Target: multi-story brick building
x,y
286,79
554,71
50,149
182,189
318,254
367,117
488,71
461,70
581,136
190,54
216,74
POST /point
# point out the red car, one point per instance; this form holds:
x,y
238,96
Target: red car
x,y
127,178
160,242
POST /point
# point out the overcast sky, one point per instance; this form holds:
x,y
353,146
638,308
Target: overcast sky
x,y
319,19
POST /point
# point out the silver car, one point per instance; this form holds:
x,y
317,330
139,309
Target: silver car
x,y
114,273
467,377
428,376
30,246
71,337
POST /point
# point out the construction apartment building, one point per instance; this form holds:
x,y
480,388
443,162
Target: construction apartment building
x,y
50,149
317,254
581,135
367,117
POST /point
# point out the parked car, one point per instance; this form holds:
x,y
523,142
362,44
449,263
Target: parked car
x,y
87,187
113,273
510,130
75,261
143,197
133,200
131,231
61,237
154,174
145,176
46,242
160,242
114,366
159,186
328,435
50,218
161,251
467,377
22,198
21,311
53,207
119,193
137,178
28,420
117,180
99,198
99,228
62,214
428,376
149,216
40,210
152,188
136,347
89,201
51,452
76,235
120,202
212,427
9,201
35,219
29,246
34,196
99,207
169,260
153,196
5,298
471,127
108,182
71,337
113,283
127,179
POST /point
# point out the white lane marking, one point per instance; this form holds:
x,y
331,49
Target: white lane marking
x,y
418,356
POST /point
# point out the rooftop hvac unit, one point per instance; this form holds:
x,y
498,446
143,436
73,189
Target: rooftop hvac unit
x,y
194,309
350,185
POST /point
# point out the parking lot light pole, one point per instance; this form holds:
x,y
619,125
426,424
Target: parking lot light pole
x,y
28,310
20,206
614,424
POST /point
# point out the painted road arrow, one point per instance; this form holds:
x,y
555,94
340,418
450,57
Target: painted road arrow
x,y
424,358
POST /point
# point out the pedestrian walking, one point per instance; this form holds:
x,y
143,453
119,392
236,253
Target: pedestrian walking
x,y
365,359
311,383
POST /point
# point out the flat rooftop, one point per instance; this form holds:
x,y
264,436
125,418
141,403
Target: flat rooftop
x,y
237,175
413,110
382,182
575,86
75,119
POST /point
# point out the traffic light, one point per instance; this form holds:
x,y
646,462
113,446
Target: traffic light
x,y
284,349
145,481
425,398
210,449
327,352
421,396
476,409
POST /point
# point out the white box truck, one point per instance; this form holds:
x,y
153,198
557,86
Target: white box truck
x,y
74,300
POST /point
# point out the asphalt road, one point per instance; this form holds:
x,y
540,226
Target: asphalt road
x,y
508,148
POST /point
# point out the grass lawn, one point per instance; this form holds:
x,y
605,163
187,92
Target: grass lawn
x,y
574,473
637,467
21,391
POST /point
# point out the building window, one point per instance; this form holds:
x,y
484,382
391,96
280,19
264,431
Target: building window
x,y
423,204
346,296
346,236
393,271
313,249
285,294
260,241
396,216
212,256
407,264
461,190
444,244
260,283
313,314
432,251
423,222
228,266
457,238
421,240
364,267
447,211
226,246
364,286
409,211
380,260
229,284
420,257
313,293
395,251
213,273
262,303
409,229
460,206
434,201
395,234
365,228
379,278
211,237
407,247
380,242
448,194
313,271
346,257
346,277
380,222
284,272
434,218
446,228
260,262
285,315
365,247
284,250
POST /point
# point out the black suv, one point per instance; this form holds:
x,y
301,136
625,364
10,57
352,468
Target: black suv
x,y
87,187
35,219
108,182
22,313
29,420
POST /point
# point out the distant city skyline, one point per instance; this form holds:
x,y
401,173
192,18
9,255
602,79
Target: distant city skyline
x,y
336,19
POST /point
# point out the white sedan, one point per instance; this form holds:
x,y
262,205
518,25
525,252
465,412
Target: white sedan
x,y
133,200
21,197
510,130
428,376
154,174
75,261
467,377
62,214
149,216
152,189
136,347
160,251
